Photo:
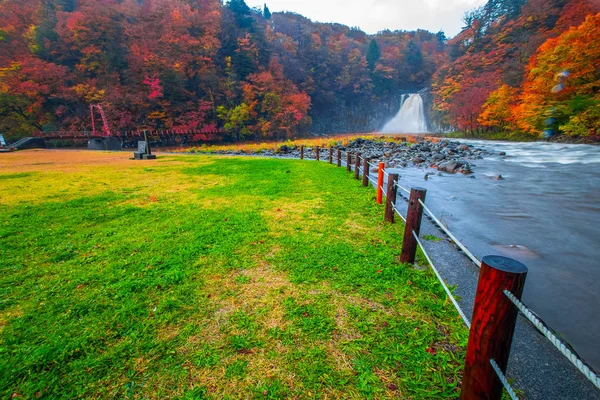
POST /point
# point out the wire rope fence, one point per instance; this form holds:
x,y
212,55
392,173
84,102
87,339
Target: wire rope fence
x,y
497,301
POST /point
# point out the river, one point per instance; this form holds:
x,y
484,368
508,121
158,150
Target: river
x,y
544,213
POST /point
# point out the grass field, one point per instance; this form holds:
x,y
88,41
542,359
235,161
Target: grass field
x,y
204,277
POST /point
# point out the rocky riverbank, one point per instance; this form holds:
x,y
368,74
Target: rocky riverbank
x,y
445,155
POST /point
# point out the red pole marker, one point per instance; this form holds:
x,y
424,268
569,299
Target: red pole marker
x,y
380,183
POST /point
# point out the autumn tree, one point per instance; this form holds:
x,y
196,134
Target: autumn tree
x,y
563,84
498,110
201,64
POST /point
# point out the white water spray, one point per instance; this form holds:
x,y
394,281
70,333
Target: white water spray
x,y
410,118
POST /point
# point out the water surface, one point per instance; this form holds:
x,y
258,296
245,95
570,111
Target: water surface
x,y
546,214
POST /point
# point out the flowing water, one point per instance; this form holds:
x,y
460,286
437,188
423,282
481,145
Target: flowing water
x,y
410,118
546,214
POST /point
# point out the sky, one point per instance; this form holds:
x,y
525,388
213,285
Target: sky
x,y
377,15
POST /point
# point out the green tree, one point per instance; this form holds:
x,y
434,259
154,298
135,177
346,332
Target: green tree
x,y
266,12
413,60
373,54
241,11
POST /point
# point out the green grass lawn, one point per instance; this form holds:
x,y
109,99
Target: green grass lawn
x,y
203,277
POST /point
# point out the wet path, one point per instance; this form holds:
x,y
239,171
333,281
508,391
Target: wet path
x,y
546,214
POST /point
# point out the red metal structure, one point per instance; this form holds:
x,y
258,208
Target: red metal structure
x,y
104,123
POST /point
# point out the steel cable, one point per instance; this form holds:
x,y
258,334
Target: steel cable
x,y
397,212
448,292
402,188
509,389
543,328
454,239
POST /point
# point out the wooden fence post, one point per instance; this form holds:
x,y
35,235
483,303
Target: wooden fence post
x,y
413,223
348,161
357,166
390,197
365,180
302,152
492,326
330,155
317,153
339,157
380,182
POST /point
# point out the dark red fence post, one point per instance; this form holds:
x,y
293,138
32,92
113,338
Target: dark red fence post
x,y
339,157
390,197
302,152
492,326
365,180
348,161
330,155
413,223
357,166
317,153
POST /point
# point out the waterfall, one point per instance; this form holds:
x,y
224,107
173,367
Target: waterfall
x,y
410,118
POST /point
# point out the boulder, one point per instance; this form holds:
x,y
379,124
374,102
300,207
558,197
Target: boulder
x,y
450,166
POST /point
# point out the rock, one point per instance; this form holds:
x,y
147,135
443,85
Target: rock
x,y
450,166
502,153
465,169
438,157
499,178
284,149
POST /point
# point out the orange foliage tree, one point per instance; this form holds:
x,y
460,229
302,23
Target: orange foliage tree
x,y
498,110
562,88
